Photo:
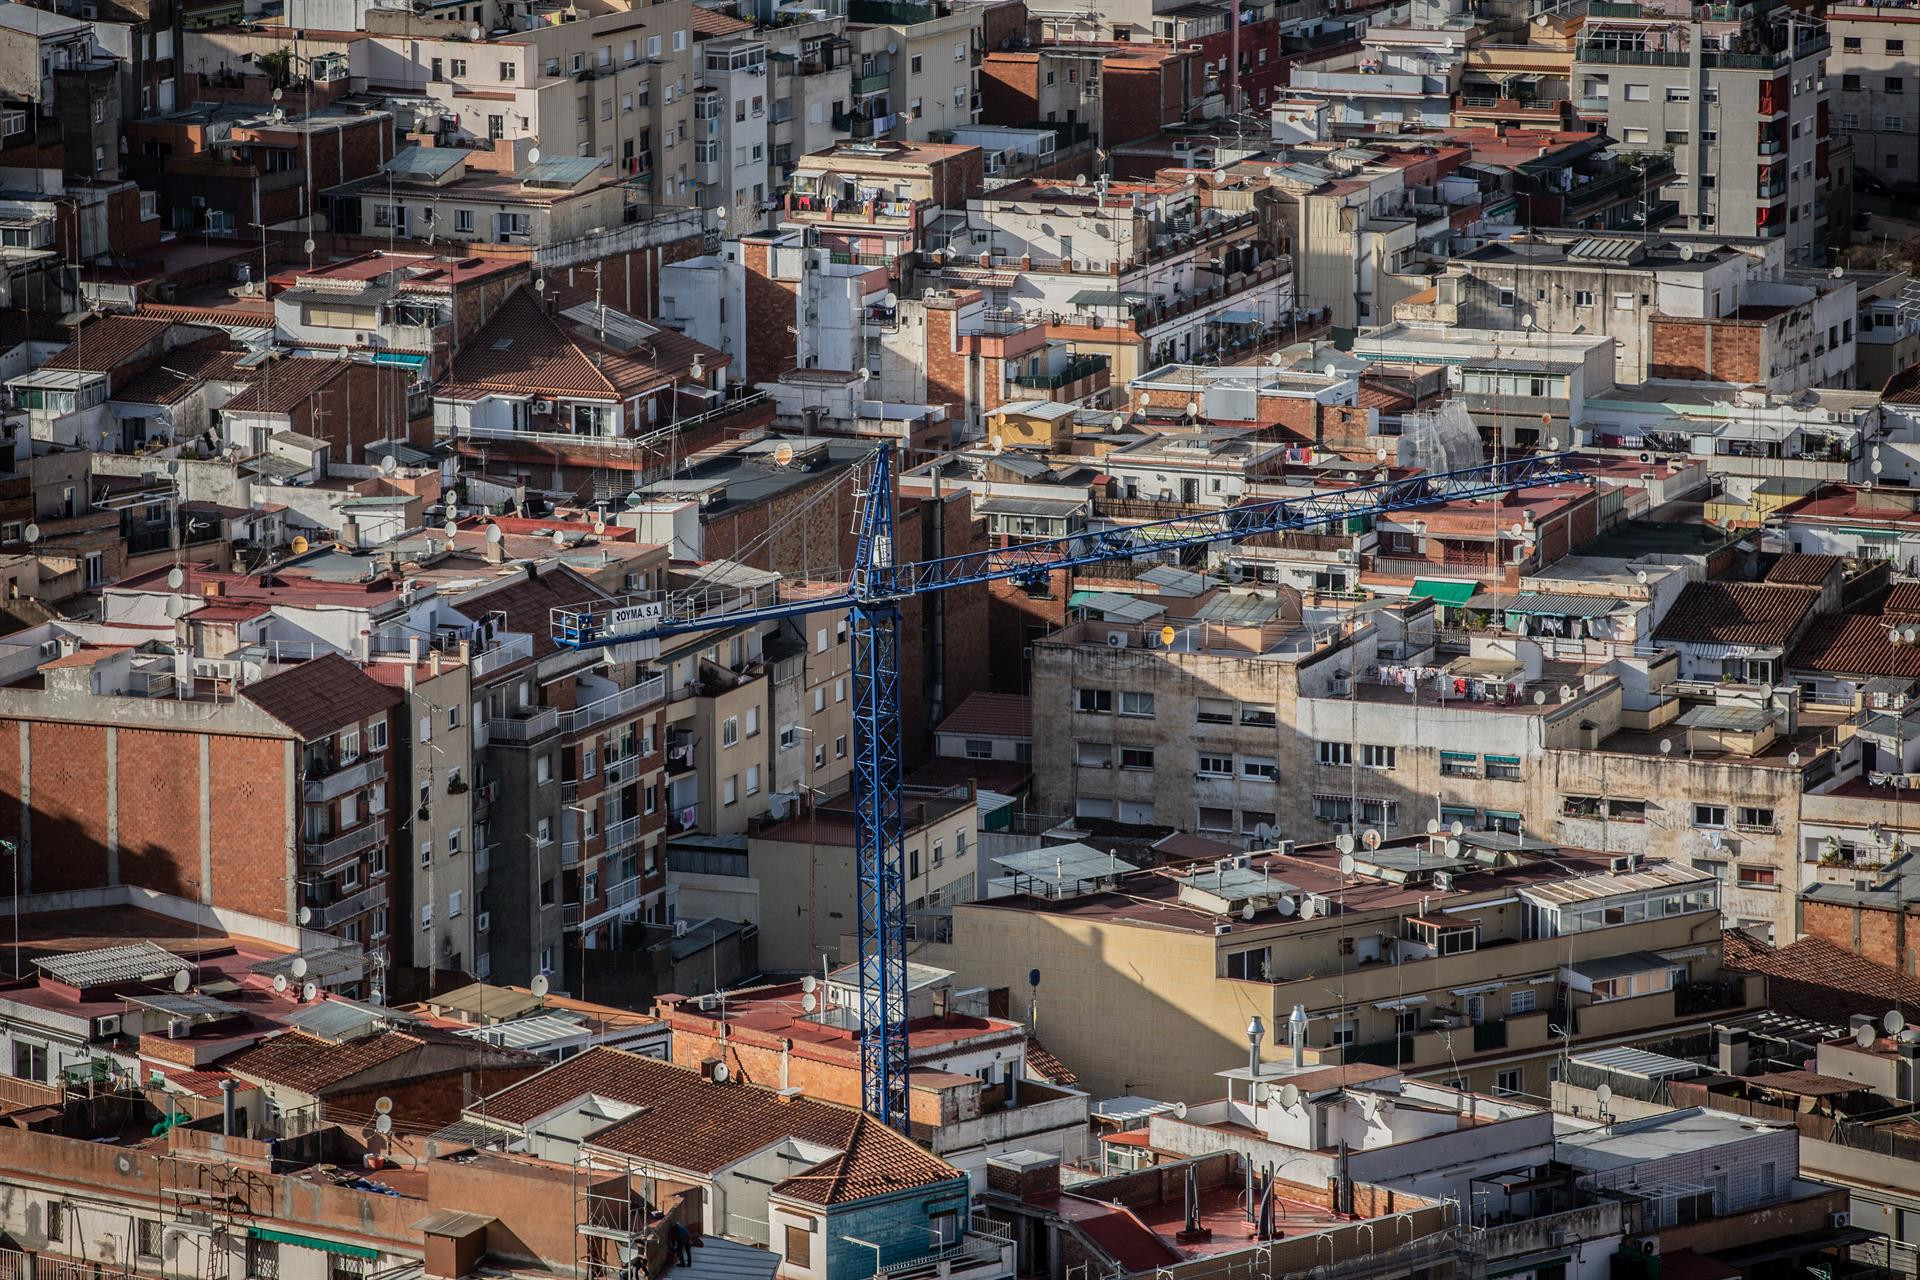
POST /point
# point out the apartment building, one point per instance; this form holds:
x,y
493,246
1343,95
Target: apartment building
x,y
811,71
1474,960
1399,77
1875,66
1742,102
732,129
915,68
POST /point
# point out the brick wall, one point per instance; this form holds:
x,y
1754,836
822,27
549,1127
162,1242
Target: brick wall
x,y
1706,350
1011,612
1009,88
1884,937
69,821
771,350
946,366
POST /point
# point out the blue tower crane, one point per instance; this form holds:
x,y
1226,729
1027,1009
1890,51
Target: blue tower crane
x,y
877,585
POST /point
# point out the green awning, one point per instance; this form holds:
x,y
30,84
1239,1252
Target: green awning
x,y
1455,593
313,1242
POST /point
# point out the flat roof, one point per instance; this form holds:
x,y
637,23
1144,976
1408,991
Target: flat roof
x,y
1656,1137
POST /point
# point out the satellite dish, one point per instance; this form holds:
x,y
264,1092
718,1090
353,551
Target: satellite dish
x,y
1433,826
720,1073
1289,1096
1566,692
1193,408
383,1124
599,527
1167,635
304,916
280,982
1452,848
175,579
1262,1091
1247,912
279,94
176,607
1285,906
809,1002
474,33
1179,1111
1686,253
996,444
866,374
388,466
1793,758
1539,697
1307,910
376,995
299,967
309,991
181,981
1895,1022
308,246
782,454
809,984
559,540
1344,843
720,214
1641,577
32,532
1666,746
1553,442
1370,838
540,284
540,985
494,535
533,155
1864,1036
1347,864
452,526
299,546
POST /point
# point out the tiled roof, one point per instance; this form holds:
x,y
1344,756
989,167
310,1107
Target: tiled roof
x,y
1903,601
1042,1063
304,1062
1854,645
107,343
1903,387
711,22
523,349
1816,980
992,715
1754,613
1795,570
690,1123
280,385
318,697
528,602
163,385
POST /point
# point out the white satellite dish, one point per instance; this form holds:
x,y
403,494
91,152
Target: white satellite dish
x,y
383,1105
1289,1096
1247,912
1641,577
388,466
1179,1111
782,454
1603,1095
309,991
809,983
1285,906
559,540
540,985
1452,848
1344,843
1666,746
996,444
181,981
299,967
533,155
494,535
1864,1036
175,579
308,246
176,607
866,374
1457,828
383,1124
1262,1091
1895,1022
599,527
1370,838
32,533
376,995
474,33
1539,697
809,1002
720,1073
1347,864
1433,826
1307,909
280,982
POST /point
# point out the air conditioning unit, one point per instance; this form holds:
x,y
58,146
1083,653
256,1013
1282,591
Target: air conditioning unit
x,y
179,1028
1840,1219
483,921
1117,639
1648,1245
1222,927
106,1026
1349,556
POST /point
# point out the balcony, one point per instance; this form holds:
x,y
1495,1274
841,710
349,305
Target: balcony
x,y
618,835
683,819
807,207
324,782
326,915
1073,371
523,725
508,649
628,700
985,1250
679,753
873,82
326,853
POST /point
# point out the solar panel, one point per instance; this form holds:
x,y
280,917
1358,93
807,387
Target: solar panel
x,y
321,965
1237,884
1064,864
135,962
1239,610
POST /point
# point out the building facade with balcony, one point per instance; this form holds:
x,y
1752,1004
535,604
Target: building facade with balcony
x,y
1875,65
732,130
916,68
1740,102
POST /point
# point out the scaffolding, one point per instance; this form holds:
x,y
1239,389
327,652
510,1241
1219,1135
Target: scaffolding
x,y
616,1231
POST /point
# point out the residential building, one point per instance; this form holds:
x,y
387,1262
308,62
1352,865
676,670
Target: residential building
x,y
915,68
971,1097
811,70
1874,64
876,201
1400,77
1661,78
1429,978
732,129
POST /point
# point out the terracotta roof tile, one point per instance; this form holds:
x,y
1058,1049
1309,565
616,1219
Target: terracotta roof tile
x,y
163,385
711,22
280,385
688,1122
529,602
1854,645
1795,570
992,715
1903,601
1042,1064
524,349
1753,613
1816,980
309,1064
107,343
318,697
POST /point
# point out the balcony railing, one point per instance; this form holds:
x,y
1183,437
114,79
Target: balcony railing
x,y
509,649
325,784
618,835
526,724
1073,371
986,1245
630,699
325,853
327,915
874,82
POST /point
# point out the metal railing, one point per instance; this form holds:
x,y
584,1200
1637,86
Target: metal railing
x,y
1075,369
335,783
324,853
509,649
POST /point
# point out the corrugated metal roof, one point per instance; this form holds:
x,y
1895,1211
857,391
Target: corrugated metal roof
x,y
423,162
1639,1062
1063,864
1115,607
1730,719
558,171
135,962
1239,610
1559,606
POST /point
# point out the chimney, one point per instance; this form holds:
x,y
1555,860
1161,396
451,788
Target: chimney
x,y
496,551
1297,1036
1024,1173
433,662
1733,1050
227,1088
1255,1030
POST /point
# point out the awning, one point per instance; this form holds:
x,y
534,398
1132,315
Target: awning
x,y
1404,1002
313,1242
406,359
1237,317
1455,593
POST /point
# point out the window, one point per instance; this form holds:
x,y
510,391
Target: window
x,y
753,779
1215,819
543,832
1345,1031
1506,297
1757,877
959,50
1623,302
1893,124
1896,46
1135,704
979,749
1753,818
653,48
840,689
1509,1082
1214,711
1253,965
730,731
349,746
840,747
1581,806
509,72
1136,758
1679,93
914,64
1459,764
1097,702
543,770
1333,808
1376,757
730,789
546,892
1634,136
1258,767
799,1247
1582,297
426,853
1627,810
1406,1022
1216,766
263,1256
1503,768
349,811
1334,753
1896,85
1850,44
1709,815
1093,755
30,1063
1638,93
454,903
1521,1001
1850,84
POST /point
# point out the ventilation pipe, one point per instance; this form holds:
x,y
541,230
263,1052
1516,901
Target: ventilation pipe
x,y
1297,1036
1255,1031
